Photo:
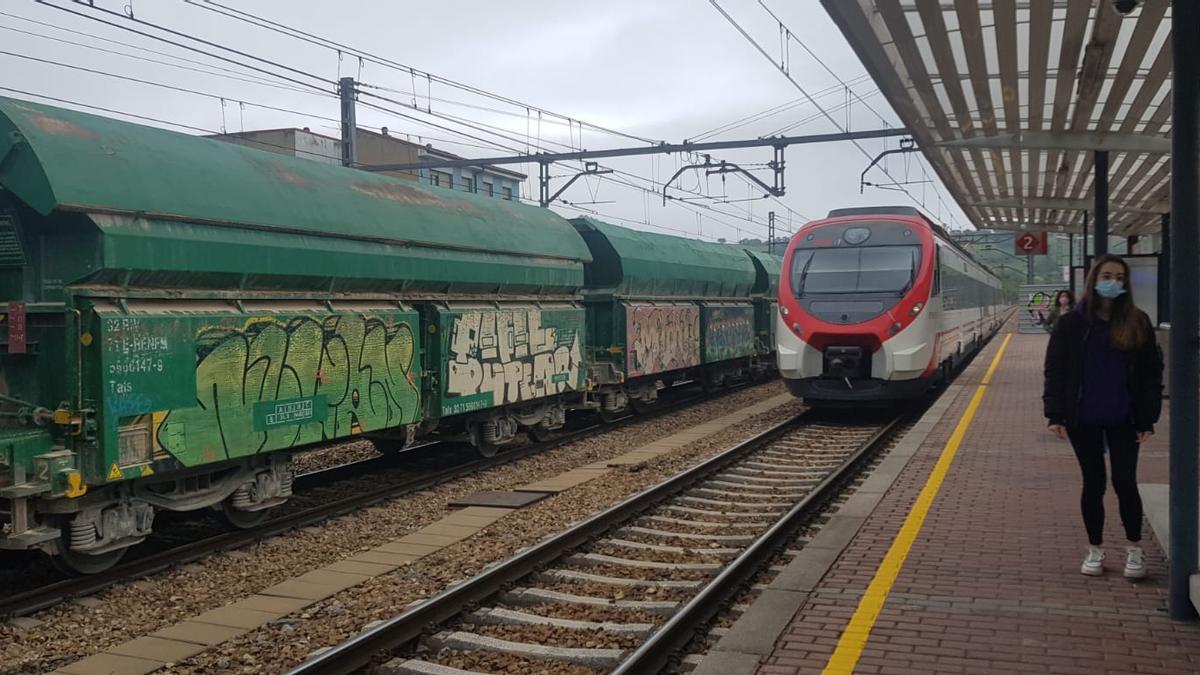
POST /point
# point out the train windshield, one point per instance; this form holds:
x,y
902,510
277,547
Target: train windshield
x,y
861,269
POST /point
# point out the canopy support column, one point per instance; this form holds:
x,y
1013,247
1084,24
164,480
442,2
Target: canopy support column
x,y
1185,303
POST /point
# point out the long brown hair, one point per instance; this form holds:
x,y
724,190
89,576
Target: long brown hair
x,y
1128,330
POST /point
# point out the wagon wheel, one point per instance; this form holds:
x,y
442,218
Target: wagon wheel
x,y
485,449
242,519
542,434
641,407
608,417
75,562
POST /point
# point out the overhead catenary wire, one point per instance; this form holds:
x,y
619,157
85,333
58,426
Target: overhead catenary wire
x,y
540,145
226,74
785,72
113,111
311,38
181,45
163,85
327,43
207,68
764,114
380,108
789,35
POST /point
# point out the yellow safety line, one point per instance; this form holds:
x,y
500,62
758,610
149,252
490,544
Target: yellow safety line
x,y
854,638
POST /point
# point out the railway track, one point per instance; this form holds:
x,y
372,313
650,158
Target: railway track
x,y
172,550
626,589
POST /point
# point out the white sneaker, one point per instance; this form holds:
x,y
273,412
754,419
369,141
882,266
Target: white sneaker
x,y
1093,564
1135,564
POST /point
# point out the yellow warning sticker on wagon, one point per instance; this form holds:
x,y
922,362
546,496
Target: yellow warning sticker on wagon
x,y
147,471
115,472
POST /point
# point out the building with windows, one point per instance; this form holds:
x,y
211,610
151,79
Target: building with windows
x,y
382,148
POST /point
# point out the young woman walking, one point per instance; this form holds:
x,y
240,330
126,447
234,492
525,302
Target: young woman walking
x,y
1064,302
1103,388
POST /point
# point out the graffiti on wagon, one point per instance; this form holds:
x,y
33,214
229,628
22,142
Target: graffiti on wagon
x,y
498,357
279,382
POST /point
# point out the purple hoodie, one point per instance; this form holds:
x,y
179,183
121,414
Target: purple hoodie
x,y
1104,396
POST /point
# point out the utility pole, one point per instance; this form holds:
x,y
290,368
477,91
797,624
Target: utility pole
x,y
770,232
349,123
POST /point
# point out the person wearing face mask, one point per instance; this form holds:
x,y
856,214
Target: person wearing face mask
x,y
1064,301
1103,388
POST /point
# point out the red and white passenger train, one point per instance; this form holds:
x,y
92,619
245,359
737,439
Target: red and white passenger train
x,y
877,305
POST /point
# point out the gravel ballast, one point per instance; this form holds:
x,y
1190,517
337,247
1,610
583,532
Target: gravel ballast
x,y
71,631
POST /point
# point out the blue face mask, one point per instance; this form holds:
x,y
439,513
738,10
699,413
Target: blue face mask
x,y
1110,288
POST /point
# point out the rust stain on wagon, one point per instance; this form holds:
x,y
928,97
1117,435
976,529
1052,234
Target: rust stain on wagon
x,y
411,195
57,127
285,175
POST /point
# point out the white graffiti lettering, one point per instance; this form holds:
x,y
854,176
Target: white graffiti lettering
x,y
510,354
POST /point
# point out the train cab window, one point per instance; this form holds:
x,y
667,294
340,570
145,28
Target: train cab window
x,y
861,269
937,273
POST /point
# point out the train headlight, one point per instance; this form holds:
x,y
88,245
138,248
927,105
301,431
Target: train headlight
x,y
893,329
796,329
783,310
916,309
856,235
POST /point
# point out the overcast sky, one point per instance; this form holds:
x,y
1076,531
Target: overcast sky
x,y
667,70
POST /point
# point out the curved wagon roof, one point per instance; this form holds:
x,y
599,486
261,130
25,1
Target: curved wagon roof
x,y
644,264
140,183
767,266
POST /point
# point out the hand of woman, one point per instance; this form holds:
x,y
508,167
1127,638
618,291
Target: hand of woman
x,y
1144,436
1061,431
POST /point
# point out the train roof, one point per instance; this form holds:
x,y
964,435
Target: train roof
x,y
907,211
635,263
160,182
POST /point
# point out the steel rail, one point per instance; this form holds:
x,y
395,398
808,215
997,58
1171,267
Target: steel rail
x,y
658,650
410,625
57,592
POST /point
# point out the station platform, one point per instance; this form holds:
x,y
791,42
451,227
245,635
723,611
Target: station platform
x,y
961,553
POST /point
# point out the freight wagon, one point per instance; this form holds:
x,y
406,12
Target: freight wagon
x,y
183,313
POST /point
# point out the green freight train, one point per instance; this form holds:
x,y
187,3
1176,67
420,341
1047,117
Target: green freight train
x,y
182,313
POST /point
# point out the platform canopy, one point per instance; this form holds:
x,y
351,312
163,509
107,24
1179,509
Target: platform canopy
x,y
1010,99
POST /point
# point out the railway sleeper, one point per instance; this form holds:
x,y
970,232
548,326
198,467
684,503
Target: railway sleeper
x,y
538,596
419,667
768,477
725,514
663,548
464,641
585,559
572,575
760,525
745,485
731,538
500,615
735,495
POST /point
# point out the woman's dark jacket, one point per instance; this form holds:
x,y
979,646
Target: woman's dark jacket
x,y
1064,374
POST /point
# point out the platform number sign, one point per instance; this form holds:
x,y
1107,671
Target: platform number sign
x,y
1031,243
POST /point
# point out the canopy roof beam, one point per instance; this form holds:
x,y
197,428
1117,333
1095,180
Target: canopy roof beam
x,y
1065,204
1082,141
